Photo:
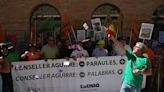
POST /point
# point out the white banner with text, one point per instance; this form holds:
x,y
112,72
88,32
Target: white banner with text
x,y
102,74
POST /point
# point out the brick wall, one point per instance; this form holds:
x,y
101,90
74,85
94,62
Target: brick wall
x,y
15,14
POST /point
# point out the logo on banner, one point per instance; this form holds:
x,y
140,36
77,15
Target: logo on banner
x,y
82,74
120,71
90,85
30,89
81,64
122,61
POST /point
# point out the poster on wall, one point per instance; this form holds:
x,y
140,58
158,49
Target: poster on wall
x,y
161,36
146,31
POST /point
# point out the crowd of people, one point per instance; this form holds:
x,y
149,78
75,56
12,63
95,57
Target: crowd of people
x,y
59,49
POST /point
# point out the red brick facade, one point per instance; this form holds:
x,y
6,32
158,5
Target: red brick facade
x,y
15,14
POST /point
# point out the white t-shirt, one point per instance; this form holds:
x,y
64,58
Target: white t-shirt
x,y
79,53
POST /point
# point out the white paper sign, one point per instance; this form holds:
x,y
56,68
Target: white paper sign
x,y
66,62
81,35
97,28
96,24
146,31
85,25
103,74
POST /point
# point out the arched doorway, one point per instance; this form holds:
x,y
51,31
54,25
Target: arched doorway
x,y
46,21
109,14
106,10
158,18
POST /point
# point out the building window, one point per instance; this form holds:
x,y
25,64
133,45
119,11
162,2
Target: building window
x,y
105,10
158,15
158,18
108,14
47,21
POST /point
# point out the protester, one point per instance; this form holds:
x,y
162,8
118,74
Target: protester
x,y
158,67
154,45
150,55
64,50
38,44
5,70
32,54
50,50
79,52
137,66
100,50
88,45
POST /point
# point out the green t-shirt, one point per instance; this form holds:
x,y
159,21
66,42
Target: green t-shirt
x,y
12,57
50,52
134,62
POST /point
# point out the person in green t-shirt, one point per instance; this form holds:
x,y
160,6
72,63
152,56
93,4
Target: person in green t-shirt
x,y
50,50
137,65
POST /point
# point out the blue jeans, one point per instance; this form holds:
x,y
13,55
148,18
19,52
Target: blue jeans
x,y
128,88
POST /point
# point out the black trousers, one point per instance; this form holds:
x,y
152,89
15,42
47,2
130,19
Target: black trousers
x,y
7,83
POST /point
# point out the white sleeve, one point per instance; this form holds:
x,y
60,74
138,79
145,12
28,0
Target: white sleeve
x,y
86,53
73,54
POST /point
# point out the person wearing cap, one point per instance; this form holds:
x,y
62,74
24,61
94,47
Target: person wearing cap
x,y
137,65
50,50
100,50
79,52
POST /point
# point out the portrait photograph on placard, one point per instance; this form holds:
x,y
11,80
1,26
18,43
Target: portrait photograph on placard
x,y
97,29
96,24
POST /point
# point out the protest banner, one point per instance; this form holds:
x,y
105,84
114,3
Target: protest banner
x,y
92,74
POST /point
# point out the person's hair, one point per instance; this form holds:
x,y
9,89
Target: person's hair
x,y
121,39
141,45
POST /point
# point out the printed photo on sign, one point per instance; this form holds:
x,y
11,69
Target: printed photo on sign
x,y
146,31
85,25
96,24
97,28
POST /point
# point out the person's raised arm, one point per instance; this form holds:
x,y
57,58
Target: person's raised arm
x,y
118,44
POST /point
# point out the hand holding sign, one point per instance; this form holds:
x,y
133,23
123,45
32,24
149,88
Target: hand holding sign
x,y
85,26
